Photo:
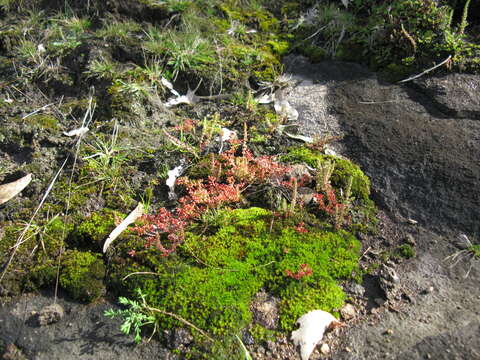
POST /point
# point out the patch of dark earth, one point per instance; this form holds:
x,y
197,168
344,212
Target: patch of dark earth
x,y
419,143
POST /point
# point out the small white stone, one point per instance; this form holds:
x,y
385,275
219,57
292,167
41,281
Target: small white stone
x,y
325,349
348,311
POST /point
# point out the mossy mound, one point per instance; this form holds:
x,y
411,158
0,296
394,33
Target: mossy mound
x,y
34,263
344,169
82,275
213,277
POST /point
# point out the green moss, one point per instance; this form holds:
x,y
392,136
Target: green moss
x,y
82,275
91,232
314,53
298,299
213,277
262,334
343,170
34,264
43,121
475,249
406,251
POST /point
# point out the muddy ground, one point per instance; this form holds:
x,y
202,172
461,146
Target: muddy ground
x,y
419,143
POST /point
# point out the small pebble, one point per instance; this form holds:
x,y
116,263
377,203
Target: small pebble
x,y
325,349
409,239
389,332
348,312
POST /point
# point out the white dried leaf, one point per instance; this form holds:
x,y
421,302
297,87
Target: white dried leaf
x,y
265,98
169,86
10,190
190,99
8,100
312,327
166,83
41,48
134,215
307,139
172,177
330,151
76,132
283,107
227,134
251,31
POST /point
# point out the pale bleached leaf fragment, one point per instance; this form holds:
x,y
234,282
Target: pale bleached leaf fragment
x,y
76,132
265,98
312,327
307,139
169,86
172,177
8,191
134,215
190,99
283,107
227,134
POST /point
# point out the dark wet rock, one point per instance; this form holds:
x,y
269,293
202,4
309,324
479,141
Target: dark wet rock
x,y
247,338
50,314
388,279
421,158
357,289
265,310
455,94
179,337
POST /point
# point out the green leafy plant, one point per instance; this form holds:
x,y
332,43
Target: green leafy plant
x,y
135,316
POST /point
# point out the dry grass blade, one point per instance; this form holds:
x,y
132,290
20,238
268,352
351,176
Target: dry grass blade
x,y
134,215
10,190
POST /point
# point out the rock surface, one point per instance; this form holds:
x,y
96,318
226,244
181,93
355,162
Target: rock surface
x,y
50,314
420,144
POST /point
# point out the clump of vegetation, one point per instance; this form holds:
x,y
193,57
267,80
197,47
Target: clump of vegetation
x,y
399,37
406,251
82,275
212,277
236,222
216,258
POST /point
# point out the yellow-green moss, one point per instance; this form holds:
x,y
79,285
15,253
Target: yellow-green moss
x,y
213,277
34,263
43,121
343,170
82,275
91,232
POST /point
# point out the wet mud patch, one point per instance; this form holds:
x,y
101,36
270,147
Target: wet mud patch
x,y
83,333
